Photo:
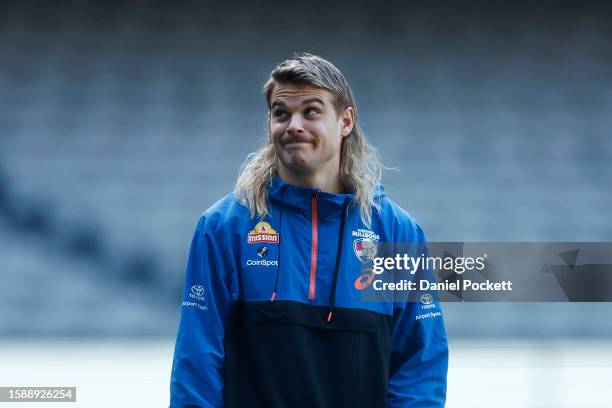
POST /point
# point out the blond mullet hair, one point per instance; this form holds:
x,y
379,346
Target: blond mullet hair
x,y
360,165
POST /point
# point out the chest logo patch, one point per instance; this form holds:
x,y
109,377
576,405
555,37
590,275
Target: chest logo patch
x,y
365,244
263,232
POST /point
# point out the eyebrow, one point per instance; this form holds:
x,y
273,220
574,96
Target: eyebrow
x,y
304,102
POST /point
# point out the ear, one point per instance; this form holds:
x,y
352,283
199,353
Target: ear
x,y
347,121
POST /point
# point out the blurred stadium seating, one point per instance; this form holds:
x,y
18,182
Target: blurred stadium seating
x,y
120,124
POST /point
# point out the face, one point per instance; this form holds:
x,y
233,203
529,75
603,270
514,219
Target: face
x,y
305,128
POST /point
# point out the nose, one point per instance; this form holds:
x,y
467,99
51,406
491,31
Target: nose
x,y
295,125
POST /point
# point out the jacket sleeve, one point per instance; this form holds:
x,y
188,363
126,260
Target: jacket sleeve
x,y
419,351
197,368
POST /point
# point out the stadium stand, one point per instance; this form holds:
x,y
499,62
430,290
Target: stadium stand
x,y
118,128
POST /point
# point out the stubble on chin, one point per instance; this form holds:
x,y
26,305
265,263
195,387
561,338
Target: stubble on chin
x,y
295,162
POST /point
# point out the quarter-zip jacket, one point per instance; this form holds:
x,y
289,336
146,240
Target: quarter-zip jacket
x,y
273,315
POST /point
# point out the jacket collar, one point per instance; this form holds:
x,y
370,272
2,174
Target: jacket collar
x,y
301,198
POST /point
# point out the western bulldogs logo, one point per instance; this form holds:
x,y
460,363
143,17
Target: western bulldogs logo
x,y
365,249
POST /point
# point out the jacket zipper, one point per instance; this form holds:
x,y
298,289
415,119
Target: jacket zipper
x,y
314,246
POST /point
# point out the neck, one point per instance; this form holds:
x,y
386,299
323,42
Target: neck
x,y
325,181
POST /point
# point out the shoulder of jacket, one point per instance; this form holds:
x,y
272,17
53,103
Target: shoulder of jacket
x,y
391,212
223,213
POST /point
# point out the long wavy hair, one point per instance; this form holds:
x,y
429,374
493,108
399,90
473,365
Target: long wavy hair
x,y
360,165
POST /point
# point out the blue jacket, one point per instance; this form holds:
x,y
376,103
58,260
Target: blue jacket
x,y
273,315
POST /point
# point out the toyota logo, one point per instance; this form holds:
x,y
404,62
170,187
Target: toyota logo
x,y
197,290
426,298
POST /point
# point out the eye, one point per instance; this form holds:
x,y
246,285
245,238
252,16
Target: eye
x,y
311,111
278,113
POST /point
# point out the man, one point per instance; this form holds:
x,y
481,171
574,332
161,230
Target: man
x,y
273,314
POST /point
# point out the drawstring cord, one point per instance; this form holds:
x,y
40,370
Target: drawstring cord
x,y
280,228
332,301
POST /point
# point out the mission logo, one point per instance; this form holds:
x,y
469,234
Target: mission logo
x,y
263,232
